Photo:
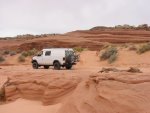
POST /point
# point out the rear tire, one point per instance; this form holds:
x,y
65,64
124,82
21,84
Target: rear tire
x,y
46,67
68,67
57,65
35,65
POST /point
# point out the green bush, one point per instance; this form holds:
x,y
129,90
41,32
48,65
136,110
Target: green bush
x,y
109,54
78,49
21,58
2,59
144,48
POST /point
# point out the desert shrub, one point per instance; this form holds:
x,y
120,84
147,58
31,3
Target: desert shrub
x,y
6,52
12,53
125,45
110,54
29,52
105,46
125,26
98,28
112,58
109,45
133,48
144,48
143,26
2,59
32,52
78,49
21,58
25,54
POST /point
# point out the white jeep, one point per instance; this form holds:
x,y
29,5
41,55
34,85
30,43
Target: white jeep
x,y
57,57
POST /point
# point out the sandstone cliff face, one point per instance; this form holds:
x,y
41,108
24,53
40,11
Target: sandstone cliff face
x,y
48,89
111,93
93,39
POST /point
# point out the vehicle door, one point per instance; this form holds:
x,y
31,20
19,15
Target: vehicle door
x,y
47,57
40,57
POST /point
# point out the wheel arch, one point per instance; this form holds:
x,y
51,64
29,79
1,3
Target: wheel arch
x,y
56,61
34,61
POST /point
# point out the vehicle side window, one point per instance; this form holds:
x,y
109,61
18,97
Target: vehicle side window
x,y
47,53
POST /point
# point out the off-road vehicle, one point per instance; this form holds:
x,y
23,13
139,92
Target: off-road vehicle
x,y
57,57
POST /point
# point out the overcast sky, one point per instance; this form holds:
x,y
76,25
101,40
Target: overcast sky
x,y
59,16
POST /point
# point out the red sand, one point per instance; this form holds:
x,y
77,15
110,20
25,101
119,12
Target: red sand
x,y
27,106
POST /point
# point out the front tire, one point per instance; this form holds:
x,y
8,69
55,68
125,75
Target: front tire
x,y
57,65
35,65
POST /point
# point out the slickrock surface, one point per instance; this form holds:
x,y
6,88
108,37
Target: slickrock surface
x,y
48,89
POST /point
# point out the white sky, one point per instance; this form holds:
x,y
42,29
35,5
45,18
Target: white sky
x,y
59,16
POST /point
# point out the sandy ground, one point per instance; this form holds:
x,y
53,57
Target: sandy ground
x,y
108,93
27,106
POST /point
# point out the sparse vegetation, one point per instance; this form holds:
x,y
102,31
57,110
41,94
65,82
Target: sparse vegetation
x,y
133,48
144,48
12,53
21,58
134,70
2,59
32,52
105,46
110,54
25,54
29,52
112,58
108,45
143,26
6,52
125,45
131,70
125,26
78,49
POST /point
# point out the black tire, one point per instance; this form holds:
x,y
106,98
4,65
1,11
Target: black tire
x,y
35,65
57,65
68,66
46,67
